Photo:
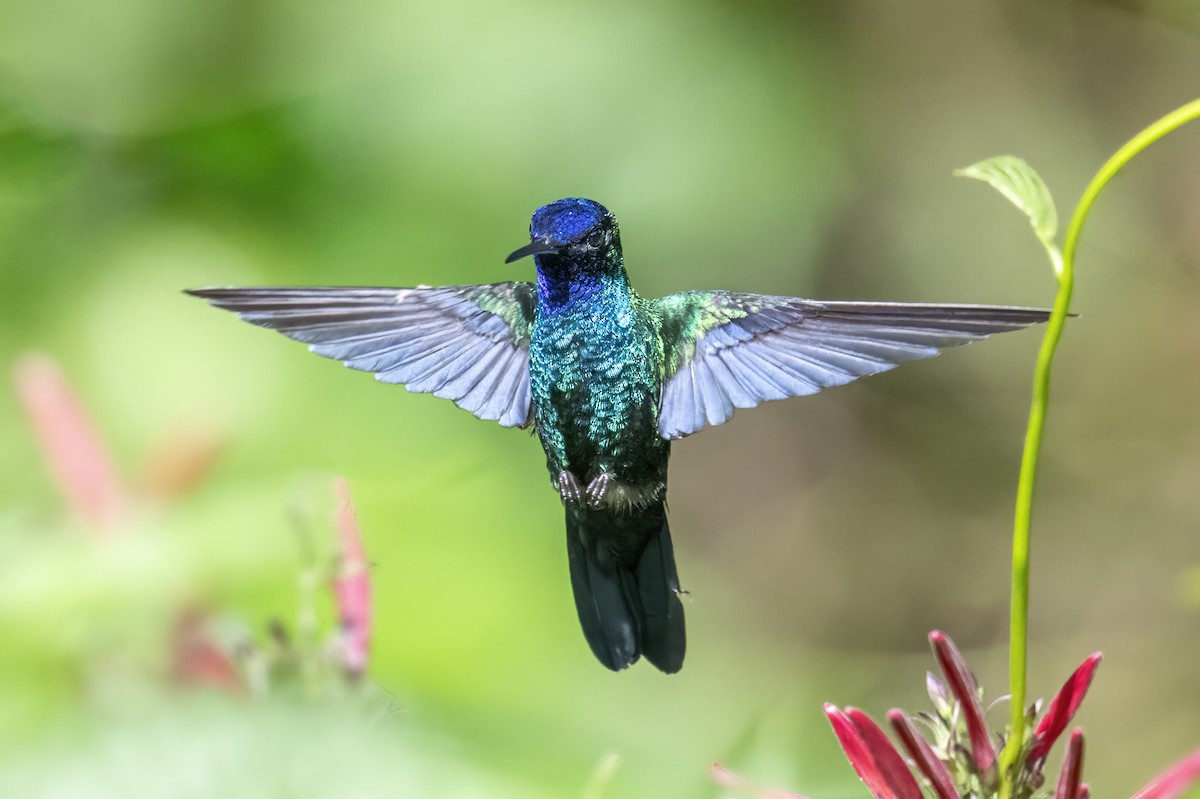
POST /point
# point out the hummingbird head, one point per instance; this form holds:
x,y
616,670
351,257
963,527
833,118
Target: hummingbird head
x,y
574,229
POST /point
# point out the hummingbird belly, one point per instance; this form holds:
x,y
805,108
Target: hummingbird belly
x,y
595,402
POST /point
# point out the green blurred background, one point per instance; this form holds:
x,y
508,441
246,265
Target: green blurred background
x,y
790,148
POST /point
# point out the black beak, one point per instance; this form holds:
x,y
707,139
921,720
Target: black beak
x,y
534,247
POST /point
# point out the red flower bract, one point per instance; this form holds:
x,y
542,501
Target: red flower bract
x,y
1069,785
922,753
966,691
858,753
891,767
1062,708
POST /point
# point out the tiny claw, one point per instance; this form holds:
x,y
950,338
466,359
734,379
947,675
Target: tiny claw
x,y
597,489
568,487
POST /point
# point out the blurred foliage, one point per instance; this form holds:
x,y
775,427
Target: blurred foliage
x,y
788,148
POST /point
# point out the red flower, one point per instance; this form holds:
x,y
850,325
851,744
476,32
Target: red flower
x,y
962,762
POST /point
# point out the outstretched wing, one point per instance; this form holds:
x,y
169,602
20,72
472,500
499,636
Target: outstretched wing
x,y
725,350
469,344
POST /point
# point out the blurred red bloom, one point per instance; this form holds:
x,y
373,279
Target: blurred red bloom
x,y
1174,781
74,451
70,443
352,585
725,777
196,658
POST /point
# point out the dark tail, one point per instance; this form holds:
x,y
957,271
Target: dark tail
x,y
626,588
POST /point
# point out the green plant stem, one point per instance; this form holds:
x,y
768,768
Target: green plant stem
x,y
1019,620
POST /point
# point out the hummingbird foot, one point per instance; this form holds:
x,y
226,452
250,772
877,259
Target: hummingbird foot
x,y
606,491
597,489
568,488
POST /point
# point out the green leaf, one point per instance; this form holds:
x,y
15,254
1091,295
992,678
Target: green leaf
x,y
1024,188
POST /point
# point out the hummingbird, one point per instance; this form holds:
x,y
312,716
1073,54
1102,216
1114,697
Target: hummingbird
x,y
608,379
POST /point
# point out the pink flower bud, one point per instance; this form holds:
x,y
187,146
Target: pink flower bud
x,y
1072,769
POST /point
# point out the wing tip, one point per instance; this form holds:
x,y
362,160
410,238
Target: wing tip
x,y
206,292
225,297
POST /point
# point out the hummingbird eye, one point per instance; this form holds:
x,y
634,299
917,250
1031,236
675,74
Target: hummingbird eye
x,y
597,239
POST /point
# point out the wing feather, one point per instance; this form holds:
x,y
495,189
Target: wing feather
x,y
717,407
725,350
469,344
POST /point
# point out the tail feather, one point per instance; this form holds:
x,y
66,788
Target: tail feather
x,y
602,600
664,639
625,584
